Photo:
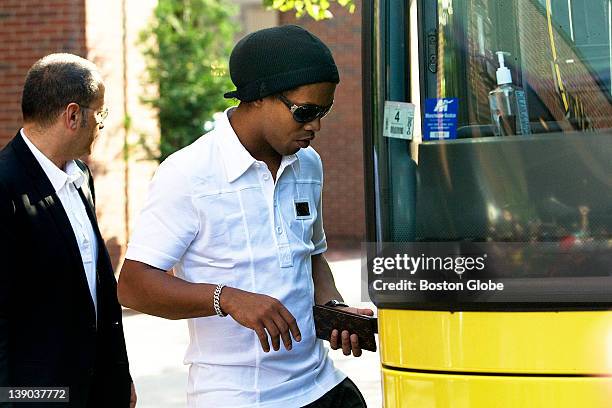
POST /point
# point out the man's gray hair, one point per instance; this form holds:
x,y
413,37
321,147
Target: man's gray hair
x,y
55,81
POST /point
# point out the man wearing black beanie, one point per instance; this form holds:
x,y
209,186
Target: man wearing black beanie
x,y
238,216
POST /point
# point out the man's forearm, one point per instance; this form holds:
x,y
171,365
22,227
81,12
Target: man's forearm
x,y
152,291
323,279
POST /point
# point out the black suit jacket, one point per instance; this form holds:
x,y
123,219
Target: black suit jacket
x,y
49,335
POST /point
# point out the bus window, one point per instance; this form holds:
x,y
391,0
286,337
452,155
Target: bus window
x,y
560,54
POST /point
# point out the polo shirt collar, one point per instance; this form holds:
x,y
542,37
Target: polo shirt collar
x,y
236,159
57,176
291,160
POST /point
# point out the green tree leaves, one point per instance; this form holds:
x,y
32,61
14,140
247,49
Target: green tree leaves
x,y
187,48
317,9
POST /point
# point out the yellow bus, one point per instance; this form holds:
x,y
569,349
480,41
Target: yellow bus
x,y
445,177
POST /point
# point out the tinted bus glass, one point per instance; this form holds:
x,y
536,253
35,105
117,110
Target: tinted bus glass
x,y
558,51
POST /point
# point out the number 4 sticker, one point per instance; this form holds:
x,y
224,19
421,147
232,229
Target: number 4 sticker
x,y
398,120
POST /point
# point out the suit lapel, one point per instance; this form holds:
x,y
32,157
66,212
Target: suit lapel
x,y
46,198
107,286
87,197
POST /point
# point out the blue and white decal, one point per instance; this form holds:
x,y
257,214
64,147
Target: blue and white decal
x,y
440,119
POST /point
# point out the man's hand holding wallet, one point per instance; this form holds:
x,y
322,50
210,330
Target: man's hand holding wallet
x,y
349,328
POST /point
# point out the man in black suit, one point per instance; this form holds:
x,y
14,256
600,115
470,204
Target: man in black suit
x,y
60,322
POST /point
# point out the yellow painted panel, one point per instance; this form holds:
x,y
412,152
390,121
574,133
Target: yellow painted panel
x,y
498,342
416,390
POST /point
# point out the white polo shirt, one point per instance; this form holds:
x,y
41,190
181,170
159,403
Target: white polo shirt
x,y
215,214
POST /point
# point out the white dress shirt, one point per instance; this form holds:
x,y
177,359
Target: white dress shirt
x,y
215,214
66,182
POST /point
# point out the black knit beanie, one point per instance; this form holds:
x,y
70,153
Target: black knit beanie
x,y
278,59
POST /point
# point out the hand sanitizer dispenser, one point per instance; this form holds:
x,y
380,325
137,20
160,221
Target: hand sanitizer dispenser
x,y
508,104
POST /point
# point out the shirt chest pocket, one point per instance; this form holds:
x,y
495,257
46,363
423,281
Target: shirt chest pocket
x,y
303,211
219,215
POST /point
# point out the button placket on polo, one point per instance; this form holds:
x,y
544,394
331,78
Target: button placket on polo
x,y
279,232
263,174
284,250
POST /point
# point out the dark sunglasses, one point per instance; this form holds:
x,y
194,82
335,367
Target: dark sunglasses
x,y
305,113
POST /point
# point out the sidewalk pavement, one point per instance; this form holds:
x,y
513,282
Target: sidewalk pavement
x,y
156,347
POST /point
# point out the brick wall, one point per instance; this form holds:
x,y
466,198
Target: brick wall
x,y
29,30
340,141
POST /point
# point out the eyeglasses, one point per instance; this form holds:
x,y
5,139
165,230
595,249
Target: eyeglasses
x,y
305,113
100,116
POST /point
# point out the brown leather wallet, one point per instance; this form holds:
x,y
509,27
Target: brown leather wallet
x,y
328,318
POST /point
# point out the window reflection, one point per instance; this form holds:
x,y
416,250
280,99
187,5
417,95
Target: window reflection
x,y
560,54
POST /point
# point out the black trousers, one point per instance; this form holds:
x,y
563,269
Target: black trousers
x,y
344,395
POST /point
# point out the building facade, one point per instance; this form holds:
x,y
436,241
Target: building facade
x,y
107,34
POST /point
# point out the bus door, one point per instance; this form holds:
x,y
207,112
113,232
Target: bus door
x,y
488,140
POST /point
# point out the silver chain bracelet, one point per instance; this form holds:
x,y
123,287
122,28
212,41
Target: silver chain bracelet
x,y
216,300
